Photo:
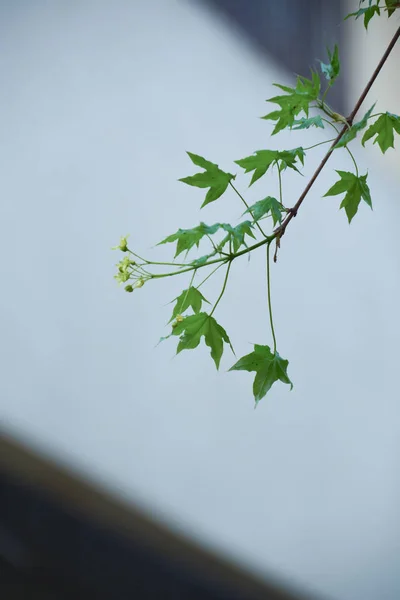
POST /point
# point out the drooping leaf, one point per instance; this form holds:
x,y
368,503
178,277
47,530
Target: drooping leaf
x,y
212,177
367,13
236,235
354,129
191,330
261,161
268,366
331,70
295,101
191,297
304,123
187,238
287,158
383,128
198,262
354,189
391,6
265,206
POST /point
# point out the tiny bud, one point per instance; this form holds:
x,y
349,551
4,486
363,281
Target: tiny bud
x,y
174,324
129,288
139,283
179,319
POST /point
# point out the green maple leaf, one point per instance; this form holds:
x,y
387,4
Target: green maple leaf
x,y
187,238
212,177
367,13
354,129
261,160
287,158
355,188
265,206
268,366
331,70
188,298
391,6
383,129
236,235
191,330
304,123
295,101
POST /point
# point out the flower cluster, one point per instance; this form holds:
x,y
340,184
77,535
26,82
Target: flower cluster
x,y
129,269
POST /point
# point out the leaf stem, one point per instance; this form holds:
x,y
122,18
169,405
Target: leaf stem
x,y
271,321
209,275
248,208
319,143
190,285
345,147
223,288
280,186
152,262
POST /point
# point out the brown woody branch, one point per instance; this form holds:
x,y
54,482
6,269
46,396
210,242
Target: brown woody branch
x,y
279,231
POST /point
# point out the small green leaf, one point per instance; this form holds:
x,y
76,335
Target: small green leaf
x,y
198,262
354,129
391,6
191,330
187,238
265,206
236,235
304,123
268,366
355,188
261,161
367,13
296,101
188,298
213,177
331,70
383,129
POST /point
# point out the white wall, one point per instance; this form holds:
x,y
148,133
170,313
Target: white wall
x,y
98,103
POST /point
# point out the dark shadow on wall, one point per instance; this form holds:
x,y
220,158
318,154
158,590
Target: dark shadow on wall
x,y
294,32
61,538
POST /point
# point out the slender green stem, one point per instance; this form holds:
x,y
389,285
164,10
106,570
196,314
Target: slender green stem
x,y
142,271
209,275
346,147
190,268
152,262
280,186
190,285
212,243
353,159
319,143
248,208
271,321
325,94
223,288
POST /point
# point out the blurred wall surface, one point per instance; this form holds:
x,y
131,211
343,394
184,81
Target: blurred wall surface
x,y
98,103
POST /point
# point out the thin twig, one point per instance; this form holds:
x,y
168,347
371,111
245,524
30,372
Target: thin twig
x,y
279,231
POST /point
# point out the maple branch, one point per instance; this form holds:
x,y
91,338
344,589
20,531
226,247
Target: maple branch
x,y
373,76
292,212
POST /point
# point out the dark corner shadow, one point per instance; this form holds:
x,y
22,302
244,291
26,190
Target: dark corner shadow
x,y
60,537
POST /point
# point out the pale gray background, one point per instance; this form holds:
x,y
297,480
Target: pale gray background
x,y
99,100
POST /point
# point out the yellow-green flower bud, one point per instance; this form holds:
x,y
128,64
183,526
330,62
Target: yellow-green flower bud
x,y
139,283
